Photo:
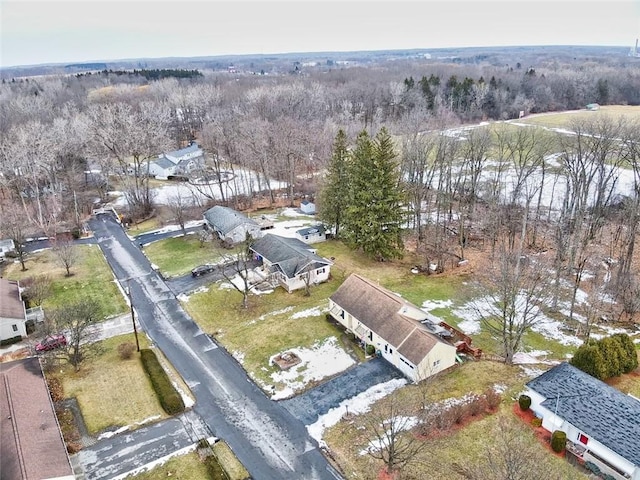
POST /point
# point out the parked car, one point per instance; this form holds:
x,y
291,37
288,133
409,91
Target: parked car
x,y
51,343
202,269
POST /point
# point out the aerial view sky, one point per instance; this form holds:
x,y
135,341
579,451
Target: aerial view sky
x,y
53,31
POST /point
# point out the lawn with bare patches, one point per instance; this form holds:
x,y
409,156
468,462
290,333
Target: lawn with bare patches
x,y
91,276
111,392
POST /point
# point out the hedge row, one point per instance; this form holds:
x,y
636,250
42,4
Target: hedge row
x,y
168,396
608,357
10,341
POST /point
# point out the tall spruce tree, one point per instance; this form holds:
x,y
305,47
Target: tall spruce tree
x,y
375,213
334,193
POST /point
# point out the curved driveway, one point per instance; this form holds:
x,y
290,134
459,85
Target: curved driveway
x,y
268,440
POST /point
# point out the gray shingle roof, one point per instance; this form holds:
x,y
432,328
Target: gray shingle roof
x,y
381,311
163,162
290,254
178,154
600,411
225,219
315,229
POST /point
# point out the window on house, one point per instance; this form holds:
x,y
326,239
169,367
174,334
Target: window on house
x,y
583,439
15,328
436,363
370,335
306,237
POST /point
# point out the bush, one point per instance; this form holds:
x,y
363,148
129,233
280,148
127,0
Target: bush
x,y
370,349
10,341
477,405
536,422
125,350
492,398
525,402
558,441
606,358
169,398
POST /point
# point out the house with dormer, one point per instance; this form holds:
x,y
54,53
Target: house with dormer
x,y
403,334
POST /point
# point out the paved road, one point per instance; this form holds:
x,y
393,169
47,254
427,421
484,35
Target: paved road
x,y
116,456
308,406
187,283
268,440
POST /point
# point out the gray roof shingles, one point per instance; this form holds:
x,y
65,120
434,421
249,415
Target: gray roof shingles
x,y
290,254
225,219
599,410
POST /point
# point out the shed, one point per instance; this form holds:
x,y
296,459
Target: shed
x,y
308,207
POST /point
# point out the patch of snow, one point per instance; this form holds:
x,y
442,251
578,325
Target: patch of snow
x,y
293,212
402,423
186,399
361,403
148,419
275,312
183,297
552,329
320,361
531,372
429,305
499,388
311,312
239,356
157,463
104,435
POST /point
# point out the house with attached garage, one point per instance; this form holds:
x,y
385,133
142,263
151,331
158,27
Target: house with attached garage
x,y
230,225
179,162
406,336
13,316
313,234
289,262
602,423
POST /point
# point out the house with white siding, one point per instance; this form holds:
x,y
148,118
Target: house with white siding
x,y
13,316
313,234
403,334
178,162
230,225
289,262
602,423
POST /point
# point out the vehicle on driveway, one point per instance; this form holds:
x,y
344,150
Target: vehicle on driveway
x,y
202,269
51,342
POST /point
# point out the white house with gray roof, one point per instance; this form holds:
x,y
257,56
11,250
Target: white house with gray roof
x,y
13,316
312,234
230,225
289,262
178,162
602,423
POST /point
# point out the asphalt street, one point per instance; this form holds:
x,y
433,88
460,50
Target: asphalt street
x,y
267,439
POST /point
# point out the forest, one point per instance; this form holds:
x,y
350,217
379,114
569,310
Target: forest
x,y
518,191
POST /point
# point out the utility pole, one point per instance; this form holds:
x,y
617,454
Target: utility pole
x,y
133,320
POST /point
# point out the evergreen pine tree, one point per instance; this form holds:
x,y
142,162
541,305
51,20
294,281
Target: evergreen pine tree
x,y
333,196
375,213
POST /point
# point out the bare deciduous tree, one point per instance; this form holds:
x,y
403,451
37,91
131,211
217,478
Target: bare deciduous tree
x,y
65,251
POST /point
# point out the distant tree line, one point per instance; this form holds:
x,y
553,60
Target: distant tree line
x,y
152,74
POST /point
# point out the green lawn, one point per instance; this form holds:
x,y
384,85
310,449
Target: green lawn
x,y
177,256
112,392
184,467
564,119
91,277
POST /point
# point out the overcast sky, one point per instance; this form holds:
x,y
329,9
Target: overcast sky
x,y
51,31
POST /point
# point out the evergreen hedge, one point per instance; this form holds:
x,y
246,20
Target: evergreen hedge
x,y
525,402
608,357
558,441
168,396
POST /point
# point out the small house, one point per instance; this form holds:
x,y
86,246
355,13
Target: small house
x,y
602,423
13,316
308,207
230,225
177,163
313,234
406,336
289,262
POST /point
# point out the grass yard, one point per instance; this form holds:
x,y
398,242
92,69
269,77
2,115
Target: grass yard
x,y
229,462
177,256
266,327
184,467
91,276
112,392
564,119
348,438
